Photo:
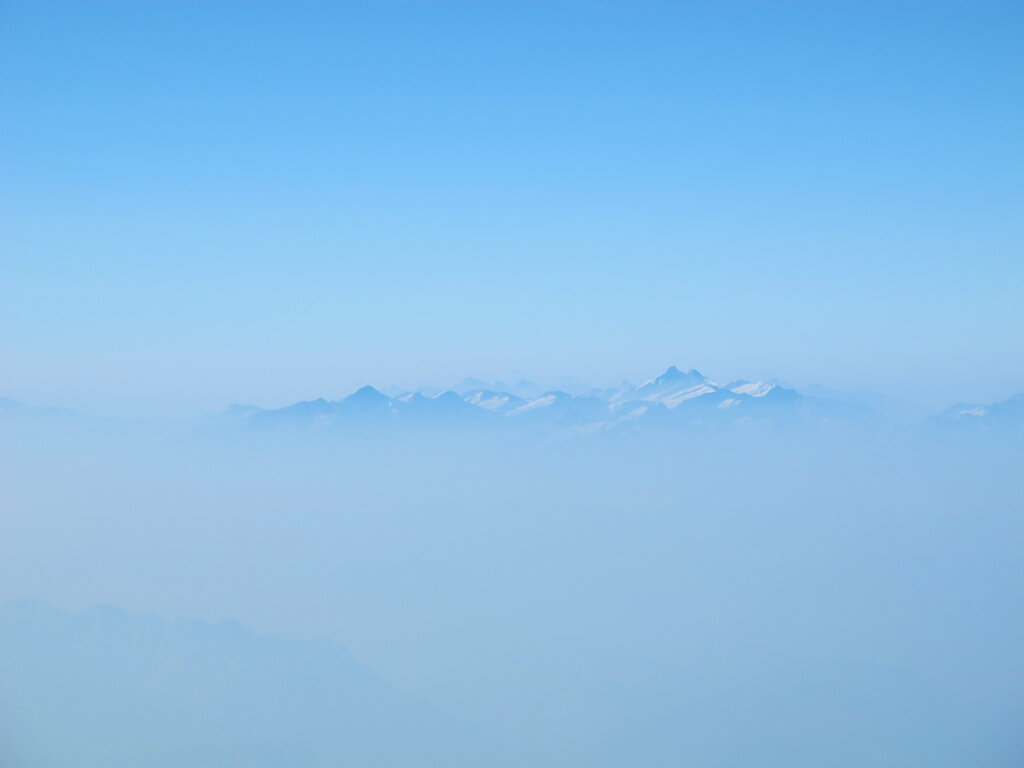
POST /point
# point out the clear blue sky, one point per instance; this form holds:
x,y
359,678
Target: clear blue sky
x,y
203,202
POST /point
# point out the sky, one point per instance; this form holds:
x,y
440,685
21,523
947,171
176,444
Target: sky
x,y
213,202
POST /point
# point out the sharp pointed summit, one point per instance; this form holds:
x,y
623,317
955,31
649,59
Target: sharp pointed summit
x,y
366,394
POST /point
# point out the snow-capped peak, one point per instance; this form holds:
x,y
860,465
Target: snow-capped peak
x,y
752,388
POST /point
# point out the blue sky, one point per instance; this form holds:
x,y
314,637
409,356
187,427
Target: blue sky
x,y
211,202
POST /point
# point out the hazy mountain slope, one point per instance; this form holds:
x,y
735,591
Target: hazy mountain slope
x,y
899,410
108,689
1005,417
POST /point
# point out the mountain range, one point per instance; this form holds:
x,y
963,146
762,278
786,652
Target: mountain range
x,y
675,400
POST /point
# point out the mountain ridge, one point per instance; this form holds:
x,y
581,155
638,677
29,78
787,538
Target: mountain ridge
x,y
678,398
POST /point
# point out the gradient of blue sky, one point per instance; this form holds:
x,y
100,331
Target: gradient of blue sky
x,y
205,202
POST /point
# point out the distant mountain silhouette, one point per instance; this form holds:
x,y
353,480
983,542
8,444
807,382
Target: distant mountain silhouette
x,y
1005,416
105,689
676,399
